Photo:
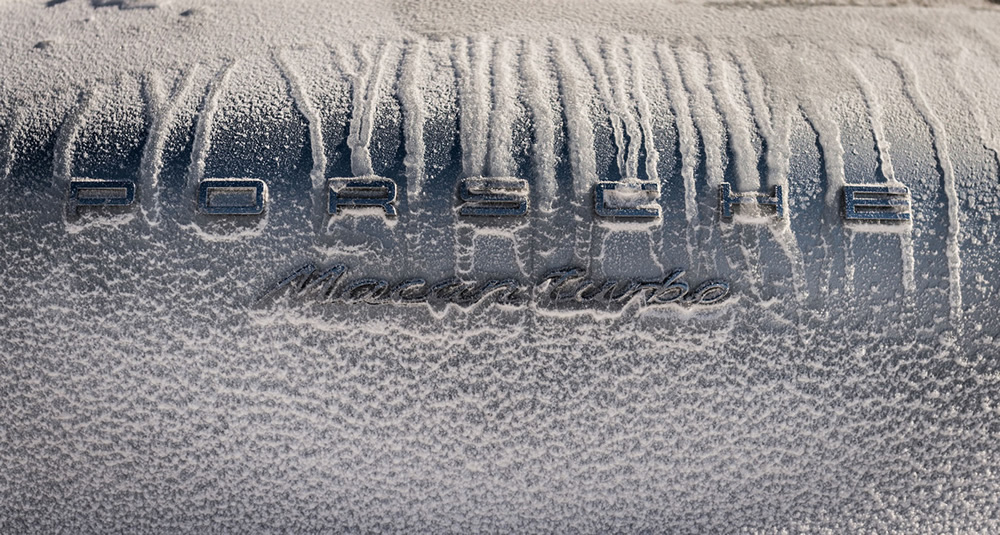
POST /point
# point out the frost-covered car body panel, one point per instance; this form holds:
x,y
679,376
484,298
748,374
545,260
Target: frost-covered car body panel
x,y
168,368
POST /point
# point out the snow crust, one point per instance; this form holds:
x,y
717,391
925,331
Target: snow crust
x,y
849,383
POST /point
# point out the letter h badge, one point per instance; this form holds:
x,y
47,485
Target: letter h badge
x,y
728,200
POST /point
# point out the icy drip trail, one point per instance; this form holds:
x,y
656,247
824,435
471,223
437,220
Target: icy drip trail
x,y
367,86
200,149
505,92
882,145
611,84
612,54
411,100
304,103
849,266
828,133
623,125
540,90
773,117
737,122
62,157
580,129
875,114
537,85
576,96
687,138
64,149
694,76
637,63
939,139
203,129
500,162
471,61
813,105
162,112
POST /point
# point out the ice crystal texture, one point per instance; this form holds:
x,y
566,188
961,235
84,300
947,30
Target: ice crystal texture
x,y
850,383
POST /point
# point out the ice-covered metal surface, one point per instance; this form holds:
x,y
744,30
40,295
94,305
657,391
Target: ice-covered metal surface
x,y
452,267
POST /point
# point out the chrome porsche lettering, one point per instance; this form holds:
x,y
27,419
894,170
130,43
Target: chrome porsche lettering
x,y
485,197
753,200
96,192
362,192
876,203
628,199
497,197
232,196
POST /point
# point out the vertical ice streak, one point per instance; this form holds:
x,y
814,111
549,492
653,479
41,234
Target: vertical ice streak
x,y
360,76
828,133
805,96
501,161
875,113
472,66
536,82
687,136
305,105
645,111
813,103
693,68
636,61
412,102
621,102
579,127
774,125
695,79
909,267
465,242
754,85
501,136
539,89
592,59
472,59
203,128
162,111
849,264
939,139
367,92
575,96
62,158
737,124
